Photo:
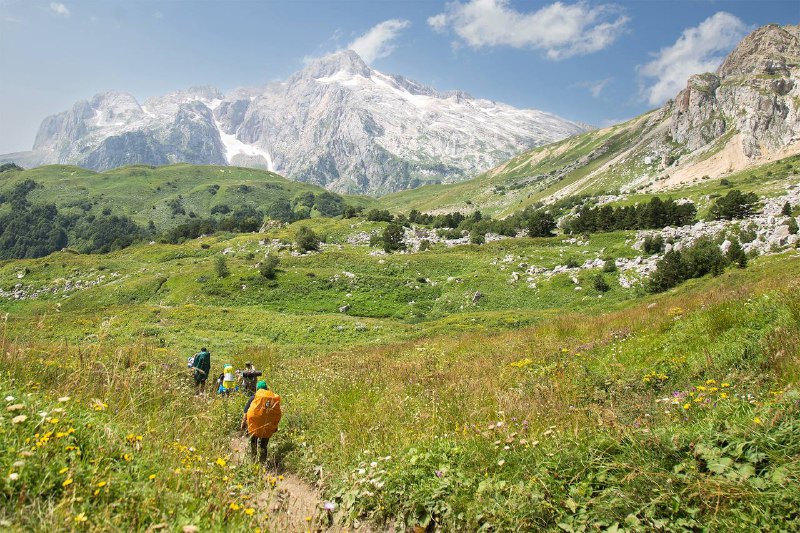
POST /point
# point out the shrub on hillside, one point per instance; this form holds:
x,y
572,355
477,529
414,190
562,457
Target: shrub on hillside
x,y
306,240
191,230
268,266
352,211
599,283
704,257
735,204
476,237
736,254
393,238
653,244
281,210
541,224
243,220
221,267
379,215
329,204
222,209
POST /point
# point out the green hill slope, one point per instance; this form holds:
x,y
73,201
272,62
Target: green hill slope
x,y
149,193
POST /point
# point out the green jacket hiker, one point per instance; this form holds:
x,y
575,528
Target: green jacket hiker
x,y
201,366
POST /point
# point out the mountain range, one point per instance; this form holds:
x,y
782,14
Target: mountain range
x,y
337,123
743,115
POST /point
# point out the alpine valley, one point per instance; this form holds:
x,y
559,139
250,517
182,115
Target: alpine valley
x,y
576,330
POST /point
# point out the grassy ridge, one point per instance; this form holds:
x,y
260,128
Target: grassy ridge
x,y
144,192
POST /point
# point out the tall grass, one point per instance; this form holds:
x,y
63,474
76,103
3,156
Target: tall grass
x,y
676,413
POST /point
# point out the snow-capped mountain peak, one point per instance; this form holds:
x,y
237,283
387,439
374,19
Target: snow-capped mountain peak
x,y
337,123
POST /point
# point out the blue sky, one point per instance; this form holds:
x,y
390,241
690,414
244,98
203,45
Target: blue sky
x,y
596,62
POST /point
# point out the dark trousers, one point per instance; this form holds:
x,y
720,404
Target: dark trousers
x,y
258,448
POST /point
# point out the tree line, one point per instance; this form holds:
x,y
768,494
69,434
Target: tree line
x,y
656,213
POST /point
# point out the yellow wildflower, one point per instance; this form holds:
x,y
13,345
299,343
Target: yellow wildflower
x,y
101,483
67,482
235,506
220,461
80,518
686,406
757,420
151,477
249,511
63,470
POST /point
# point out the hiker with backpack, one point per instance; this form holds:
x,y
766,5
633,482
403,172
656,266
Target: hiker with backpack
x,y
261,417
249,377
226,383
202,367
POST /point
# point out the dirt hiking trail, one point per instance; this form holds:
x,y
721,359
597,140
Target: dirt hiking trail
x,y
291,504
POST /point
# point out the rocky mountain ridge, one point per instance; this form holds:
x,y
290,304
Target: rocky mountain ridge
x,y
336,123
744,115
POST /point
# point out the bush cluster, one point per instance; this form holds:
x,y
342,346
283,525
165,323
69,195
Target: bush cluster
x,y
703,257
657,213
735,204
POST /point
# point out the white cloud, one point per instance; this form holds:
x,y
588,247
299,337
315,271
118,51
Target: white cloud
x,y
377,42
563,30
698,49
59,9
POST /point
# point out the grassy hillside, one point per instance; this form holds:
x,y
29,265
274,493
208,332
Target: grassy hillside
x,y
541,404
677,411
144,193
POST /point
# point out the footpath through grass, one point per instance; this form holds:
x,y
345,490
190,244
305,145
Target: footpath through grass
x,y
677,412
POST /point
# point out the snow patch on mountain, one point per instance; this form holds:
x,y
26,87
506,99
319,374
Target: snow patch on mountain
x,y
234,147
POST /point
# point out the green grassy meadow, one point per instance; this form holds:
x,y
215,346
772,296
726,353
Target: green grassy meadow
x,y
542,405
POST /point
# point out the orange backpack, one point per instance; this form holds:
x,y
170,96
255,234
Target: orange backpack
x,y
264,414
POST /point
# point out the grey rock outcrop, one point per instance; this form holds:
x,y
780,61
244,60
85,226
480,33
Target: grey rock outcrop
x,y
754,92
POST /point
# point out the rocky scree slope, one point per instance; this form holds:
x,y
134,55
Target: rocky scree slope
x,y
337,123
